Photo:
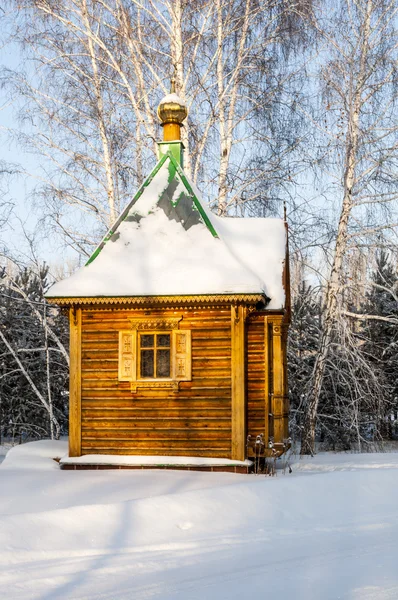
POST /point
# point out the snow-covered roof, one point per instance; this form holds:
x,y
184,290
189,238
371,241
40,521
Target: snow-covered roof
x,y
167,243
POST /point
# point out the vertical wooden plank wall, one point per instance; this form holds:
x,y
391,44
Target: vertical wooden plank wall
x,y
267,382
277,379
286,405
75,323
279,382
256,348
267,402
238,314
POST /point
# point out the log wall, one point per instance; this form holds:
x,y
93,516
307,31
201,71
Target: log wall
x,y
195,421
210,415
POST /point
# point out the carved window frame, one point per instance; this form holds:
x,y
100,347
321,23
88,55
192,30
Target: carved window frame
x,y
180,353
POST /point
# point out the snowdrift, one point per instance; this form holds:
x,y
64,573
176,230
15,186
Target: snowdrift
x,y
327,531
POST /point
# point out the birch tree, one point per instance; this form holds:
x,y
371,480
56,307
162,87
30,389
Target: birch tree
x,y
6,170
77,106
99,69
358,73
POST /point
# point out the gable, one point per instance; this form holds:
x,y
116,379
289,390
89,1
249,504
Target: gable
x,y
167,187
166,243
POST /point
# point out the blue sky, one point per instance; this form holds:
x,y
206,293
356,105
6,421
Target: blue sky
x,y
25,216
19,187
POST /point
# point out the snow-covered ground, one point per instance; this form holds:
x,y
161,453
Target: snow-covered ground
x,y
327,531
4,448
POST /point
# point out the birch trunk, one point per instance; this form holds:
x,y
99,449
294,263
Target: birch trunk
x,y
48,376
334,285
177,53
106,151
135,41
222,178
54,421
44,322
228,91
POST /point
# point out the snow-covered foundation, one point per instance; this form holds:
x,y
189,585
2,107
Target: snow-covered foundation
x,y
188,463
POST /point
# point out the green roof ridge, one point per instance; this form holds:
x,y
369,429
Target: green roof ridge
x,y
140,191
196,202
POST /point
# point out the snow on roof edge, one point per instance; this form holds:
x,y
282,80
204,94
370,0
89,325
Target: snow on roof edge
x,y
126,210
254,233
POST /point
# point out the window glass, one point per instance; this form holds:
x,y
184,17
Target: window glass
x,y
163,340
155,355
147,341
163,363
147,363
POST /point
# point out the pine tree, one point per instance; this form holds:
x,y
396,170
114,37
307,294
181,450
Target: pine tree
x,y
23,315
302,348
382,335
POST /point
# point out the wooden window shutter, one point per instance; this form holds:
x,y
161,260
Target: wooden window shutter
x,y
181,355
127,355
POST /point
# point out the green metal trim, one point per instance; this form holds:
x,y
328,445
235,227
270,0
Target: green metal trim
x,y
198,205
175,148
124,214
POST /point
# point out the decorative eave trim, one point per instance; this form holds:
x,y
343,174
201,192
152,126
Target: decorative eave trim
x,y
162,300
148,323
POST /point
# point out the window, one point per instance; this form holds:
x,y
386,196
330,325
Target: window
x,y
154,353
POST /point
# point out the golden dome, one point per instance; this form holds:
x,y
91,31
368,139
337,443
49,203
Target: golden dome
x,y
172,108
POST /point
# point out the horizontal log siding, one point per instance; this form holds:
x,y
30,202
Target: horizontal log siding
x,y
196,421
255,376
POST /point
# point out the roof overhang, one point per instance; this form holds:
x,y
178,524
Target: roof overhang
x,y
214,299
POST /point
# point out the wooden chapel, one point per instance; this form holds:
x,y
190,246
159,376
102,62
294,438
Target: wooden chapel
x,y
178,326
